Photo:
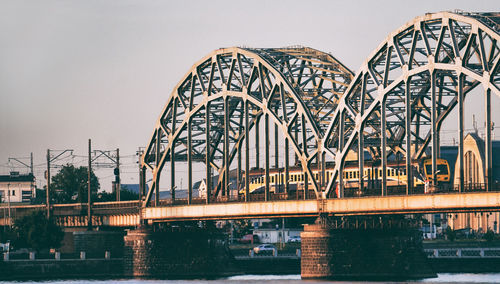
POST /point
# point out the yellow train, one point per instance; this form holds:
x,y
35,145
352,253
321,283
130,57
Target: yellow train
x,y
372,176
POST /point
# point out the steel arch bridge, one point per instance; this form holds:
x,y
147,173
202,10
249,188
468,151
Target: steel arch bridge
x,y
321,112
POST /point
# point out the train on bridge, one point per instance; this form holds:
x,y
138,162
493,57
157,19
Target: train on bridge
x,y
372,177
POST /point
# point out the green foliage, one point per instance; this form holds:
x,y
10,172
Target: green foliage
x,y
126,194
242,227
40,196
6,234
69,185
37,232
489,235
451,235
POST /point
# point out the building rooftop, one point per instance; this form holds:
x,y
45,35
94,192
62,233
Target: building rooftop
x,y
16,177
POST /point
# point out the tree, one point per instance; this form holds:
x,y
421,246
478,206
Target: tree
x,y
70,185
242,227
451,235
37,232
489,235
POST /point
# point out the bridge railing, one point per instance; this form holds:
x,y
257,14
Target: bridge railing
x,y
463,253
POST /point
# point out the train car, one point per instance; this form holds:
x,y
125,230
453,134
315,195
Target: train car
x,y
372,176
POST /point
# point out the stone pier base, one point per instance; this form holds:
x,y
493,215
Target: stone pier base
x,y
96,243
362,252
180,253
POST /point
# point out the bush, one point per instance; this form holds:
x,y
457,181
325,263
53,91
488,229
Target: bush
x,y
451,235
489,235
37,232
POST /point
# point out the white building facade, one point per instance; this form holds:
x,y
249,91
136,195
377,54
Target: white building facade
x,y
16,188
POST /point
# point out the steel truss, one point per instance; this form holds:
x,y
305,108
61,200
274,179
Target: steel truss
x,y
232,91
421,71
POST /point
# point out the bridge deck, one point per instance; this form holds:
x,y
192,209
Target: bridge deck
x,y
464,202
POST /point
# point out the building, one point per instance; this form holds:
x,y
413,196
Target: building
x,y
201,187
475,179
474,163
17,188
272,236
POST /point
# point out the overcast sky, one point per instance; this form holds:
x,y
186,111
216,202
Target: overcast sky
x,y
73,70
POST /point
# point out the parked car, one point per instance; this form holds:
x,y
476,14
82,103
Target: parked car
x,y
294,239
5,247
249,239
264,248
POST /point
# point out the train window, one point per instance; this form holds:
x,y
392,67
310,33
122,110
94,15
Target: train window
x,y
443,169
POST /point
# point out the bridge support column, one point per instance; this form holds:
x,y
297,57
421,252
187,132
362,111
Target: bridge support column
x,y
175,253
365,248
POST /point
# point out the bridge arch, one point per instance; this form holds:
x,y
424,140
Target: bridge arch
x,y
210,113
421,71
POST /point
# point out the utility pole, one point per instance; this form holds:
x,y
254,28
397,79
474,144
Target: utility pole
x,y
89,194
115,163
47,175
117,174
142,177
31,164
19,160
47,193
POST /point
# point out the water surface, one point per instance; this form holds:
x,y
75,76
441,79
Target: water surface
x,y
278,279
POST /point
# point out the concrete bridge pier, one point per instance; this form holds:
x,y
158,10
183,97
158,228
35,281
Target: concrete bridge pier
x,y
175,252
363,248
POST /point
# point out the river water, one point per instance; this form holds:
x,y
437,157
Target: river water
x,y
280,279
